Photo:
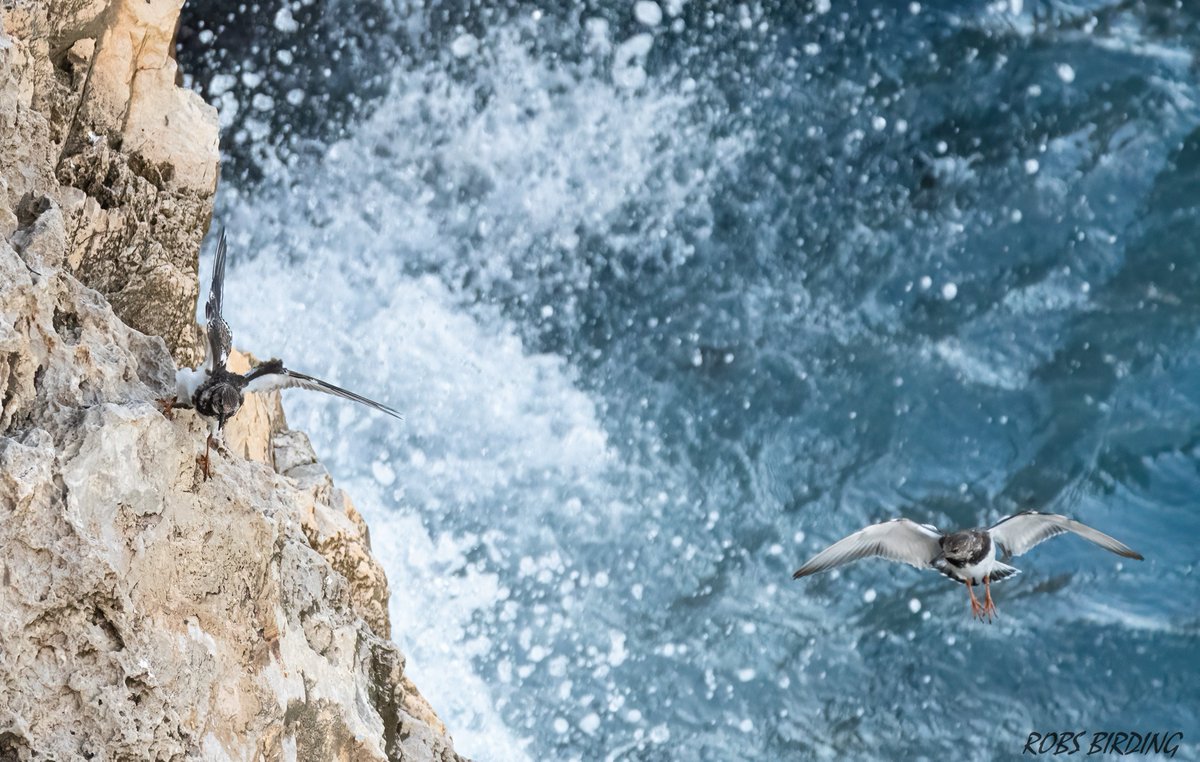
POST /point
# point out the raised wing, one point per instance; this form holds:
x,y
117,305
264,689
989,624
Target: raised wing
x,y
220,339
1018,533
896,540
271,376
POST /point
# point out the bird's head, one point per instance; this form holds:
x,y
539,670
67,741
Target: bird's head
x,y
958,544
226,401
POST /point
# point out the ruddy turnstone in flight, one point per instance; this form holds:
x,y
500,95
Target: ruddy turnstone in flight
x,y
968,556
217,393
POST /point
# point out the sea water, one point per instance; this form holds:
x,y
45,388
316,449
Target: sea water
x,y
673,295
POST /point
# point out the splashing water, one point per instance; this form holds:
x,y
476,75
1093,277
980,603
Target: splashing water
x,y
672,297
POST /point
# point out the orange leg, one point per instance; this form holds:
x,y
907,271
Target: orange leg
x,y
976,609
166,405
988,605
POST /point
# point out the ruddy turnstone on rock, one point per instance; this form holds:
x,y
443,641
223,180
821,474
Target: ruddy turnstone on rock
x,y
968,556
217,393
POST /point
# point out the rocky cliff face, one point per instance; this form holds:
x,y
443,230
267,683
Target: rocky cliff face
x,y
146,613
91,118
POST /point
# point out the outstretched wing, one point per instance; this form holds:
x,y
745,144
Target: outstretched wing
x,y
220,340
1018,533
896,540
271,376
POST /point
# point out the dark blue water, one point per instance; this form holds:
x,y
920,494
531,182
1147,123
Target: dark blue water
x,y
672,306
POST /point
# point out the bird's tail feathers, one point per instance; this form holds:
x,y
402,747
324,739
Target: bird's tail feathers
x,y
1002,571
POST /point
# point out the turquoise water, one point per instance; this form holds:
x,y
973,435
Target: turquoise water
x,y
671,306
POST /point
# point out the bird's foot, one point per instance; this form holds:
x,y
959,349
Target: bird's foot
x,y
166,405
989,609
977,610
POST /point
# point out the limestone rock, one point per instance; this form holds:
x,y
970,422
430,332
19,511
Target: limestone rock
x,y
146,613
91,117
331,523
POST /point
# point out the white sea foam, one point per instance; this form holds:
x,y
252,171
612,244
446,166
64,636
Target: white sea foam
x,y
493,432
485,422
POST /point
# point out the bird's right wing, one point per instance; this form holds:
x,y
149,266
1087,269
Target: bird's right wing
x,y
1019,533
896,540
220,339
271,376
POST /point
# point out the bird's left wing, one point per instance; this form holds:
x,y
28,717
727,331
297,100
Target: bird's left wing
x,y
271,376
220,339
1019,533
896,540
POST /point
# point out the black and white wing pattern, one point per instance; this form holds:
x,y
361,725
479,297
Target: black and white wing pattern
x,y
1017,534
220,339
896,540
271,375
